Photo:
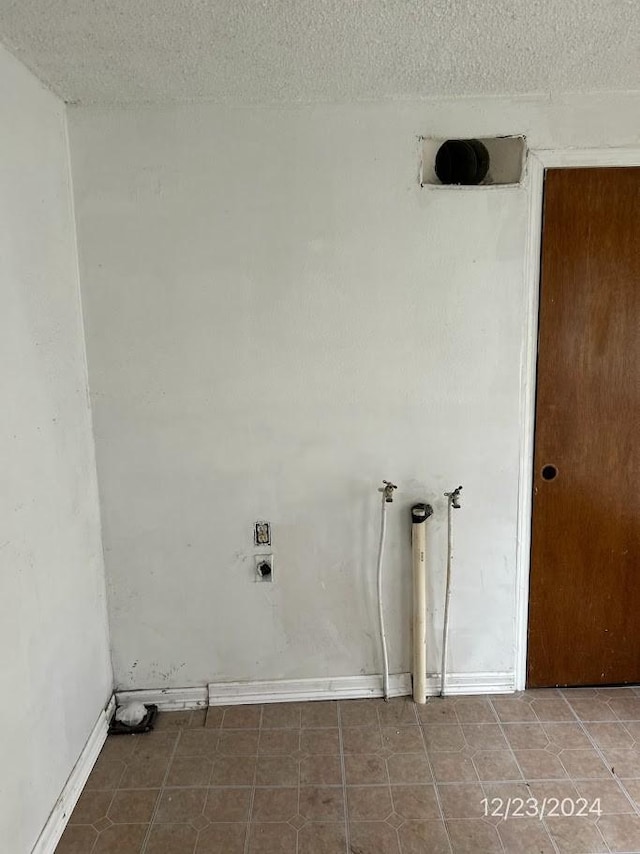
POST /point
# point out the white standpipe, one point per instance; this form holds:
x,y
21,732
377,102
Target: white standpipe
x,y
419,515
453,502
387,497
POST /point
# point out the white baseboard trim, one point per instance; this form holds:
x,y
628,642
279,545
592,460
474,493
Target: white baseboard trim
x,y
336,688
60,814
167,699
285,690
472,683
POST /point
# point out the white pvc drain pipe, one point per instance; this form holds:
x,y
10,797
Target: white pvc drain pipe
x,y
419,515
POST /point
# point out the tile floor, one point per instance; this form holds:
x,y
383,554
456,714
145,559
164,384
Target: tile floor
x,y
368,777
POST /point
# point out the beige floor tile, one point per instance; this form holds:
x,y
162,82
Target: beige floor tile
x,y
608,793
626,708
144,774
525,836
402,739
407,768
189,771
581,764
576,835
358,713
171,839
424,837
496,765
539,765
156,745
180,805
547,792
498,793
316,741
92,805
592,709
321,803
443,737
399,711
474,710
633,728
322,713
324,838
471,836
238,742
552,709
368,803
621,832
511,710
77,839
233,771
609,735
461,800
124,839
373,837
133,806
365,768
279,742
277,771
222,839
438,710
173,720
623,763
632,787
415,802
484,736
106,774
119,747
215,715
281,716
227,805
197,743
272,838
277,804
198,718
526,736
367,739
453,768
242,717
570,735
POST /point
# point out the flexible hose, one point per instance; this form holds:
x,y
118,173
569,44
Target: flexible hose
x,y
383,636
445,630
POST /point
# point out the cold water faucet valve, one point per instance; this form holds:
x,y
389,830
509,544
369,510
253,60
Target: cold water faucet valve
x,y
388,490
454,497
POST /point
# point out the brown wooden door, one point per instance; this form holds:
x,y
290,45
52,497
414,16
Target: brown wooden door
x,y
584,602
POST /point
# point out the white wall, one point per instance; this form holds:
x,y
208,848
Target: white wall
x,y
277,318
54,659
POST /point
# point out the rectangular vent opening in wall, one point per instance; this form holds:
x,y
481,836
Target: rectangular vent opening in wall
x,y
488,161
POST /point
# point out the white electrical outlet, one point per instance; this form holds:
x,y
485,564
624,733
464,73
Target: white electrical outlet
x,y
264,567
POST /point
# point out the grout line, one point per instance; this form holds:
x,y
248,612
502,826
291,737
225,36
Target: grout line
x,y
347,833
524,778
433,776
147,836
299,780
253,788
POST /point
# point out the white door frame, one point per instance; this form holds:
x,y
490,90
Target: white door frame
x,y
538,161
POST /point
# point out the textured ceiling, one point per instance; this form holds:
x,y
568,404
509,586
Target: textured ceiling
x,y
256,51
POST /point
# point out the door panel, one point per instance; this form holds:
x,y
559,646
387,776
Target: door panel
x,y
584,603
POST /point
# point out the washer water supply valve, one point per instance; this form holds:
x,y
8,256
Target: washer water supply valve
x,y
388,490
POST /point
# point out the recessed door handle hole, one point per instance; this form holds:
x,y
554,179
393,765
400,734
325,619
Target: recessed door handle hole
x,y
549,472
